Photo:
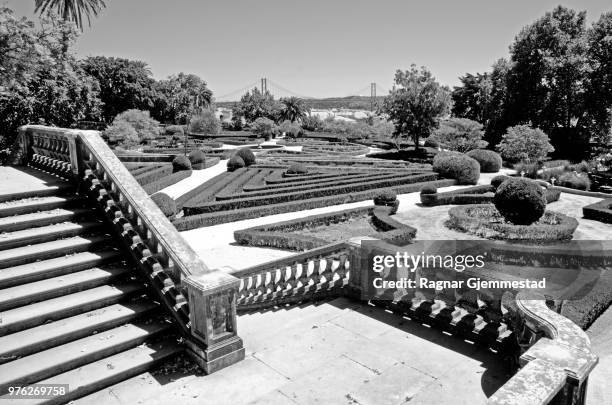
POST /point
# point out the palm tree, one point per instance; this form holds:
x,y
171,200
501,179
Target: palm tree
x,y
72,10
293,109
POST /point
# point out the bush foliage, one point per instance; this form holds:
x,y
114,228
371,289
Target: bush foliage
x,y
490,162
235,162
197,159
459,134
457,166
247,156
521,143
166,204
520,201
180,163
206,122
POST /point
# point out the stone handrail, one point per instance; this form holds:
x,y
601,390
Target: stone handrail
x,y
555,368
202,301
316,273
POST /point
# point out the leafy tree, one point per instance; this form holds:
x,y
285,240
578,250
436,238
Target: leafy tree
x,y
146,127
206,122
290,129
255,105
523,143
179,97
123,133
312,123
293,109
39,81
460,134
71,10
264,127
472,99
124,84
416,104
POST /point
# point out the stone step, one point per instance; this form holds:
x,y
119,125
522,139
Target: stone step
x,y
65,330
48,233
27,273
37,291
69,356
17,319
48,250
37,219
105,372
46,191
35,204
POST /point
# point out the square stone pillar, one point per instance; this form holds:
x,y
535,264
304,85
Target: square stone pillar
x,y
212,312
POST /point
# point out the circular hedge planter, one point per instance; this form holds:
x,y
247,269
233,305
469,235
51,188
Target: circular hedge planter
x,y
485,221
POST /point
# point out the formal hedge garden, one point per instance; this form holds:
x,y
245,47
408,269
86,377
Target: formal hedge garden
x,y
600,211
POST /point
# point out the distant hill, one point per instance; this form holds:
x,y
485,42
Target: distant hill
x,y
351,102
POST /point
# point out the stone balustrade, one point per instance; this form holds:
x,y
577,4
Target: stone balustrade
x,y
315,274
202,300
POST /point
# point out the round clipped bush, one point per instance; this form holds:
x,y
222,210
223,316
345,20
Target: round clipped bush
x,y
247,156
457,166
235,163
175,130
520,201
387,198
490,161
165,203
498,180
429,189
180,163
431,143
297,168
197,159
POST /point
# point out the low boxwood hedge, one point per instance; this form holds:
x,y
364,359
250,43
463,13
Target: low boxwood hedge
x,y
600,211
213,218
207,190
474,195
151,175
166,181
165,203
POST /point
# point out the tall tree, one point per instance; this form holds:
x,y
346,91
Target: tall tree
x,y
179,97
255,104
471,100
416,103
124,84
293,109
71,10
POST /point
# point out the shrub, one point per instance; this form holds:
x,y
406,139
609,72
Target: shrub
x,y
297,168
180,163
520,201
497,180
197,159
573,180
429,189
460,134
431,143
123,133
290,129
387,198
247,156
523,143
166,204
600,211
312,123
206,122
235,162
146,127
175,130
457,166
529,170
264,127
490,162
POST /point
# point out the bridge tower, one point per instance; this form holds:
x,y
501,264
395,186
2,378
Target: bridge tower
x,y
264,85
372,95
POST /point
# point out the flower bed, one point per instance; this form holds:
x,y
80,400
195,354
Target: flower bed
x,y
286,235
600,211
485,221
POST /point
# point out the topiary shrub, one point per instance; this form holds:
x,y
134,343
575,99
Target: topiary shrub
x,y
457,166
197,159
175,130
247,155
297,168
520,201
490,161
165,203
497,180
180,163
235,163
387,198
429,189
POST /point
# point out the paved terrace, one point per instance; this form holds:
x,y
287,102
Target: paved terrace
x,y
338,352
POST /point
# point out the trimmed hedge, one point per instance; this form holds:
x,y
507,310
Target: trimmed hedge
x,y
520,201
387,198
208,219
457,166
235,163
166,181
485,221
489,161
207,190
166,204
154,174
297,168
180,163
197,159
600,211
370,186
247,156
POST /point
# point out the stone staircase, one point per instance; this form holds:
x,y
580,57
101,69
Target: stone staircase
x,y
72,309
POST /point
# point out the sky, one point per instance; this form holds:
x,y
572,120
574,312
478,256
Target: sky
x,y
315,48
